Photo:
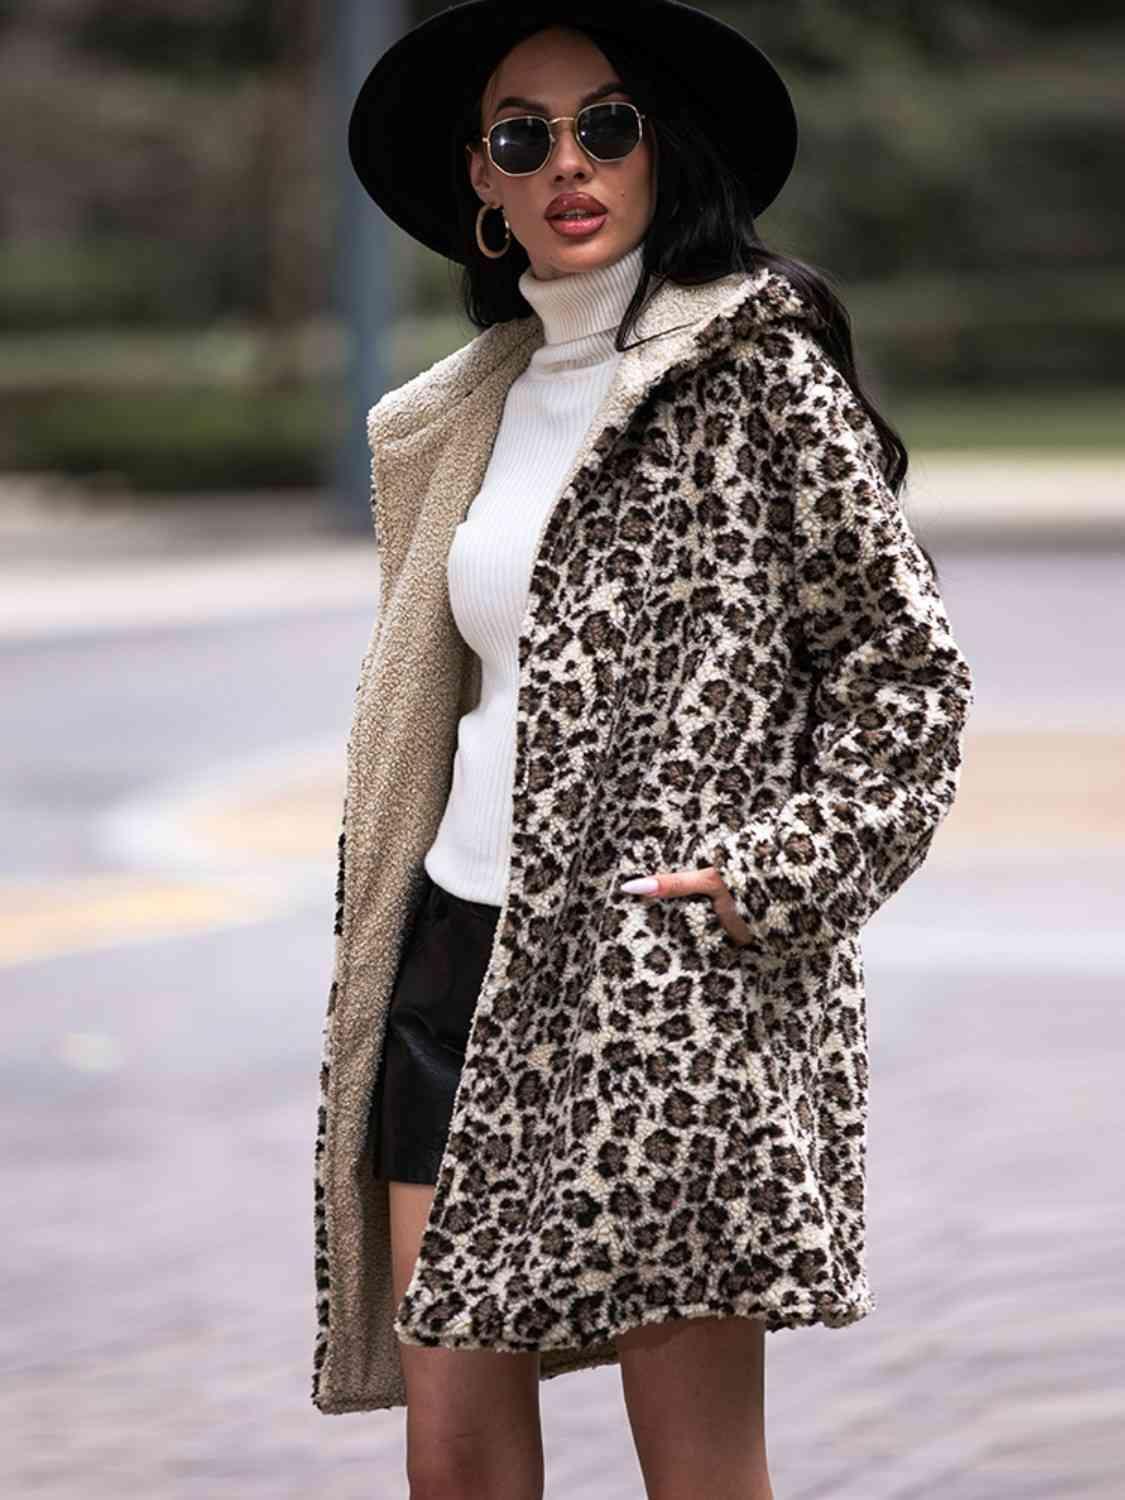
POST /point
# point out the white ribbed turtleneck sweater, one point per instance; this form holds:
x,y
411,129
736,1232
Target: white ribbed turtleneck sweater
x,y
547,413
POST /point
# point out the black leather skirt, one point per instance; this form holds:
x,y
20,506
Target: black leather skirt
x,y
431,1009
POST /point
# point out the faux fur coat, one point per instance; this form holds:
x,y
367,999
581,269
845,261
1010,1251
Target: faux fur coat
x,y
733,653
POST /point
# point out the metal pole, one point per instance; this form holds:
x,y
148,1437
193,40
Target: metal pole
x,y
363,30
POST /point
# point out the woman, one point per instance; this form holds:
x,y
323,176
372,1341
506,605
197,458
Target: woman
x,y
661,705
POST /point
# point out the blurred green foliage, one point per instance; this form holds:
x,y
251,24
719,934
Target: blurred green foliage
x,y
174,439
94,281
957,181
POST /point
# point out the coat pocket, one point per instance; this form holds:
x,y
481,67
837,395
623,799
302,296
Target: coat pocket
x,y
699,909
682,851
702,918
704,924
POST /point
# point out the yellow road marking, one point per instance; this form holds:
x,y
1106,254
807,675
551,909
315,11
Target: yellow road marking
x,y
66,916
1048,792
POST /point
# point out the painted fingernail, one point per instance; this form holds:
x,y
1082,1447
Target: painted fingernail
x,y
644,885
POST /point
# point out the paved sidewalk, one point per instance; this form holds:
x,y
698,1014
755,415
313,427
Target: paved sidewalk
x,y
69,565
69,562
169,1350
1026,497
165,958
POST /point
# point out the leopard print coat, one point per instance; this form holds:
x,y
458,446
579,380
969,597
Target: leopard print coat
x,y
734,653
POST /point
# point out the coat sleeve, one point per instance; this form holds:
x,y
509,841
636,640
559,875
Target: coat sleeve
x,y
890,697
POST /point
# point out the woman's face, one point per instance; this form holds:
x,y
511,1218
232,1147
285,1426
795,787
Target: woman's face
x,y
553,73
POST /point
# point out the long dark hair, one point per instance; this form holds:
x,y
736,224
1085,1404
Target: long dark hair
x,y
702,228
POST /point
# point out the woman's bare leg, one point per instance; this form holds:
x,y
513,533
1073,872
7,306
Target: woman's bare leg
x,y
694,1390
472,1415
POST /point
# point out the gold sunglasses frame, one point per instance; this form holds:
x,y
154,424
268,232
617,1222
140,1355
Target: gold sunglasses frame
x,y
508,119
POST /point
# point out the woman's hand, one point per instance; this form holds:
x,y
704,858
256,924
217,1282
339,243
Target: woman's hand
x,y
688,883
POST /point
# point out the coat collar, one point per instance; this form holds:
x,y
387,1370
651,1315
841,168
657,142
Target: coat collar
x,y
431,438
689,322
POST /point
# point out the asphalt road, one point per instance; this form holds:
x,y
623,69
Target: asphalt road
x,y
170,799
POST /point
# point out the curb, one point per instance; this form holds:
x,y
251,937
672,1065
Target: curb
x,y
69,566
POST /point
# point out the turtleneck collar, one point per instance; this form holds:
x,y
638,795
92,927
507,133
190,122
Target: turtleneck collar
x,y
582,303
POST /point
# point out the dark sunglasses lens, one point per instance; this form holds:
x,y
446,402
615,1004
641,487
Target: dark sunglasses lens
x,y
520,145
608,131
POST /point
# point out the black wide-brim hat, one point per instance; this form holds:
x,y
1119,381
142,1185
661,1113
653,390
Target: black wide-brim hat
x,y
401,132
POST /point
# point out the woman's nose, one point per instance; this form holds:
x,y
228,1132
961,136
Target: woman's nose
x,y
568,153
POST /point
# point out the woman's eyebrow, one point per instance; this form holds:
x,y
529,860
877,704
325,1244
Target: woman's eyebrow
x,y
515,100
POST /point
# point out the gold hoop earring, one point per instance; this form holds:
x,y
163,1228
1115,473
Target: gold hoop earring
x,y
484,250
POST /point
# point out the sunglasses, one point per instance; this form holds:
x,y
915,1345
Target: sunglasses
x,y
524,144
